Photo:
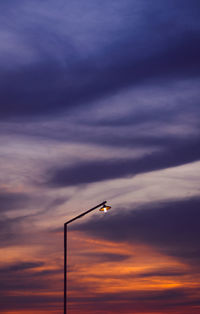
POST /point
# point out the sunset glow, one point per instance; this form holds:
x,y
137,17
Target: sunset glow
x,y
100,105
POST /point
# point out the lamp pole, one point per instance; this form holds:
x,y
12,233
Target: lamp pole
x,y
104,208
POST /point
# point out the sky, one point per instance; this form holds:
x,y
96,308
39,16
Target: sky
x,y
100,101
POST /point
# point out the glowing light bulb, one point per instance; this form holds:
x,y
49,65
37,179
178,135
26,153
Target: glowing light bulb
x,y
105,208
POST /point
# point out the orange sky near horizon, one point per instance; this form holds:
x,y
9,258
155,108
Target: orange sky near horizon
x,y
106,276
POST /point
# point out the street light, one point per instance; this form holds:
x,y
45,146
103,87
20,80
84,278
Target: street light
x,y
103,208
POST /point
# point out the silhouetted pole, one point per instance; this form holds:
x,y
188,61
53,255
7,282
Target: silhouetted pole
x,y
65,268
65,250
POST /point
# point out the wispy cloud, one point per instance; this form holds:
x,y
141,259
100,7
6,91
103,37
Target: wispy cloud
x,y
172,227
100,100
93,171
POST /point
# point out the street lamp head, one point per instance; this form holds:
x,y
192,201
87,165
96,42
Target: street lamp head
x,y
105,208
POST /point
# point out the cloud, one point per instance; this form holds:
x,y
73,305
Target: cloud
x,y
108,257
13,201
162,273
22,276
21,266
172,227
186,151
12,231
48,86
138,301
119,78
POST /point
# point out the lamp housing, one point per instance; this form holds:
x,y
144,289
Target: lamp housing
x,y
104,208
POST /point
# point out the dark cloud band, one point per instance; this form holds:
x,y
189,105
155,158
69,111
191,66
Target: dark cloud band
x,y
172,227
